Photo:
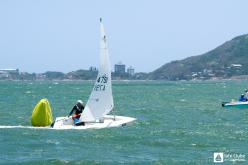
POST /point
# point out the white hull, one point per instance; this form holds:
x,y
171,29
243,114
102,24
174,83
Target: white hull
x,y
236,104
109,121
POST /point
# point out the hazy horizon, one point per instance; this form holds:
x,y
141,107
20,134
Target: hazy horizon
x,y
60,35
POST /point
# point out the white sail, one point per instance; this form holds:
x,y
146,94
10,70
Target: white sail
x,y
100,101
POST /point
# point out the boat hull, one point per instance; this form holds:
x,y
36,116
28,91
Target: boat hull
x,y
235,104
108,121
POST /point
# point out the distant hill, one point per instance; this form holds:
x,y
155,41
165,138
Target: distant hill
x,y
228,60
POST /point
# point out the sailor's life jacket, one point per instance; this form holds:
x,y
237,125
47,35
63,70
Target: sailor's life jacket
x,y
77,111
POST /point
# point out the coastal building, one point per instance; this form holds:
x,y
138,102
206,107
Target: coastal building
x,y
39,76
9,73
93,68
236,65
3,74
120,68
130,70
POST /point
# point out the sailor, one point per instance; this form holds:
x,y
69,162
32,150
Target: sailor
x,y
76,112
242,98
246,93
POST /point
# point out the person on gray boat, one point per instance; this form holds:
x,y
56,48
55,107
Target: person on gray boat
x,y
242,98
246,93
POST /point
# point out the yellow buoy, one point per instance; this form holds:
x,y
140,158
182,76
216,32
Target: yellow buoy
x,y
42,114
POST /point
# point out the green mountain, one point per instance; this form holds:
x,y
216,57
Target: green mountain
x,y
225,61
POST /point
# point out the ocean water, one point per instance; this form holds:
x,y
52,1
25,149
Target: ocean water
x,y
177,123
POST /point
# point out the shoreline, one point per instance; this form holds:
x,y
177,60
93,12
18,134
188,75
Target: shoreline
x,y
126,80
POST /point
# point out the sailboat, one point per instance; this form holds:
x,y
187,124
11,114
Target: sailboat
x,y
235,104
100,102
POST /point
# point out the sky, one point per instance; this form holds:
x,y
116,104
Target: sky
x,y
63,35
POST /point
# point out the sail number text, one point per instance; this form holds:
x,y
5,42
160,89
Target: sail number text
x,y
101,83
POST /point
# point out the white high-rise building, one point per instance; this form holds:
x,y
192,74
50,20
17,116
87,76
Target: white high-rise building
x,y
130,70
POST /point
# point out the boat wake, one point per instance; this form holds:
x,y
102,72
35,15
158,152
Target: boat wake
x,y
21,126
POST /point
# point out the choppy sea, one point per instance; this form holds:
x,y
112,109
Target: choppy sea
x,y
177,123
